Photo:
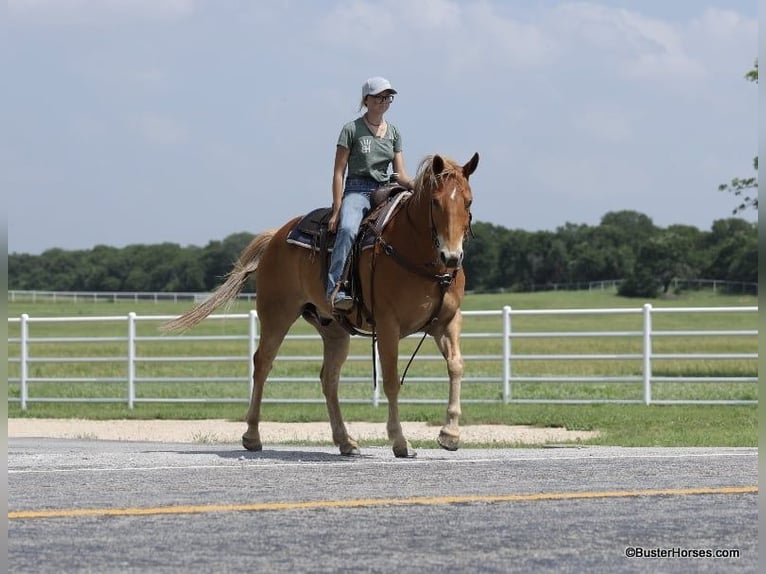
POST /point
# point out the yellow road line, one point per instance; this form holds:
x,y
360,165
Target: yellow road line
x,y
372,502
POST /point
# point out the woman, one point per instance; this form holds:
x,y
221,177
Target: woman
x,y
366,148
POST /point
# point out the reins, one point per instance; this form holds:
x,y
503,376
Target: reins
x,y
444,281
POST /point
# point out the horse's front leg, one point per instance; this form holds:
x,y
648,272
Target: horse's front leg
x,y
388,349
448,341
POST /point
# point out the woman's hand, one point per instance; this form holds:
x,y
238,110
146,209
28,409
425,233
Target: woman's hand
x,y
332,223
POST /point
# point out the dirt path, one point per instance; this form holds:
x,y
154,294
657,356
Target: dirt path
x,y
221,431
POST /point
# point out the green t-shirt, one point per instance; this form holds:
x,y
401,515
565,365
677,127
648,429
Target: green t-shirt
x,y
369,156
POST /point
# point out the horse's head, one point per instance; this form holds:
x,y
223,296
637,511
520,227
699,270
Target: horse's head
x,y
446,182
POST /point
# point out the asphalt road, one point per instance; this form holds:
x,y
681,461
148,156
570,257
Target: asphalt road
x,y
103,507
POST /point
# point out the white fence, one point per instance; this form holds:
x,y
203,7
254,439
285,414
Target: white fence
x,y
110,296
25,361
157,297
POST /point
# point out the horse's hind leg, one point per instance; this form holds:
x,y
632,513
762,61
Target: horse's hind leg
x,y
275,324
336,344
448,341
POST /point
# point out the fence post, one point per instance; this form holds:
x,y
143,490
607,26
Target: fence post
x,y
24,332
647,353
252,345
131,359
506,354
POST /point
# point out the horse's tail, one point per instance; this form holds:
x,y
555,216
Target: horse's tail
x,y
235,280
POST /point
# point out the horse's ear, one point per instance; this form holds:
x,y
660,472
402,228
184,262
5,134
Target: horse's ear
x,y
437,165
470,167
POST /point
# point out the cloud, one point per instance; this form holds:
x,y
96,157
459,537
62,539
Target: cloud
x,y
722,24
720,37
505,41
159,130
458,35
470,35
358,25
69,12
603,123
438,15
639,47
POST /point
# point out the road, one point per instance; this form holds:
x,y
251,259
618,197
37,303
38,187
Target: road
x,y
103,507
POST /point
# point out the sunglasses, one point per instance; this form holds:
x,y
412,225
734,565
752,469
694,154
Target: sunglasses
x,y
383,99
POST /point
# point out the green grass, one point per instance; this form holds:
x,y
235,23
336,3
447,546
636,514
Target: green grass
x,y
620,424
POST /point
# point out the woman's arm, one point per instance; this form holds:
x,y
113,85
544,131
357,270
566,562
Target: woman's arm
x,y
399,168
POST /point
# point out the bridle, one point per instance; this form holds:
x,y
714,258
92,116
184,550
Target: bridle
x,y
467,232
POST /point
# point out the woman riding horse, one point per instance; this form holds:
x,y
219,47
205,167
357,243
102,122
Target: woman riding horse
x,y
413,279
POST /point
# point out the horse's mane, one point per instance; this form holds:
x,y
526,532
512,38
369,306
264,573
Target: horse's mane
x,y
426,180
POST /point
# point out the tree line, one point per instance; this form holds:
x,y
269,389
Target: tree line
x,y
625,245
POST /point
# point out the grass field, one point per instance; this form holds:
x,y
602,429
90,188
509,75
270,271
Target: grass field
x,y
621,424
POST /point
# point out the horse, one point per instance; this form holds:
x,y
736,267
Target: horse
x,y
412,280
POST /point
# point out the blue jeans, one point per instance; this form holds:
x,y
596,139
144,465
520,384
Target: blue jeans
x,y
355,205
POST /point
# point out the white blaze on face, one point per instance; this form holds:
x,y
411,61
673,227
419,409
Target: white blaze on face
x,y
451,254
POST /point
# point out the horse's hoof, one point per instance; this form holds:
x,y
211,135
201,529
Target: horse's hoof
x,y
353,451
448,442
250,444
406,452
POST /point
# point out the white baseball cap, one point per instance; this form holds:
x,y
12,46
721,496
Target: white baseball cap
x,y
376,85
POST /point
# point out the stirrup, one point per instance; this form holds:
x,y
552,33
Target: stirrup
x,y
342,302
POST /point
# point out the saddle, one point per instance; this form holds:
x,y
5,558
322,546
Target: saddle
x,y
311,232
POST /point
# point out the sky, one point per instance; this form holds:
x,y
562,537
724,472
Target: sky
x,y
185,121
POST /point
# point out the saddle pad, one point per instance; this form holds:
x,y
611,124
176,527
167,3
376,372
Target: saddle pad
x,y
311,223
306,231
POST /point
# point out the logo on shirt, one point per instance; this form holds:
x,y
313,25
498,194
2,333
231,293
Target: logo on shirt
x,y
366,143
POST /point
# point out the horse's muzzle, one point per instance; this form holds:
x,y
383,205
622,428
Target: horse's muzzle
x,y
451,260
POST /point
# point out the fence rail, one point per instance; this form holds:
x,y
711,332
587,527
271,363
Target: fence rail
x,y
37,353
110,296
715,285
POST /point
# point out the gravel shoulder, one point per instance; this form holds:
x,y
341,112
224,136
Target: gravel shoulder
x,y
223,431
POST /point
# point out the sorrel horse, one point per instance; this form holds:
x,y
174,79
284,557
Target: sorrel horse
x,y
412,279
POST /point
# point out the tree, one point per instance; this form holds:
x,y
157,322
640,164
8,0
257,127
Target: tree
x,y
481,256
744,263
745,189
626,245
641,283
665,257
514,266
218,257
732,252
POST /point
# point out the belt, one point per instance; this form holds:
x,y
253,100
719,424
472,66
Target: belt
x,y
366,178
